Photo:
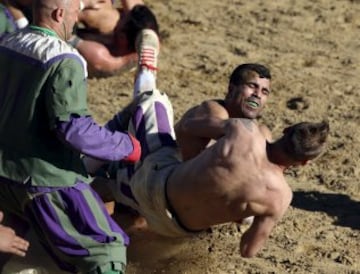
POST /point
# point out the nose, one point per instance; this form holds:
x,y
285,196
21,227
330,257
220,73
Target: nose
x,y
256,92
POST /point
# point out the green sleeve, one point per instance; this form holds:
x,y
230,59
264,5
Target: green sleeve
x,y
67,92
5,27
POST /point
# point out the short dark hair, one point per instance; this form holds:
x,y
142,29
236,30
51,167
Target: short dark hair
x,y
238,75
305,141
140,17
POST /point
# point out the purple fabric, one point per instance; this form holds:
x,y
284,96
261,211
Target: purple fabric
x,y
51,225
10,18
85,220
79,211
163,125
84,135
139,123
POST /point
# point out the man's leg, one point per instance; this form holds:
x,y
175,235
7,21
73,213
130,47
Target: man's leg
x,y
152,122
75,229
150,115
147,47
151,119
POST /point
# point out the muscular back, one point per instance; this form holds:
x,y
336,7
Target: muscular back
x,y
229,181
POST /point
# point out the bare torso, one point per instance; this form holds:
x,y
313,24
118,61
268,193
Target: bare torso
x,y
201,125
229,181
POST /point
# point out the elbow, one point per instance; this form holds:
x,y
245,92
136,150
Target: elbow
x,y
247,252
101,65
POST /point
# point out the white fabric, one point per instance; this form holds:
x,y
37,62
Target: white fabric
x,y
22,22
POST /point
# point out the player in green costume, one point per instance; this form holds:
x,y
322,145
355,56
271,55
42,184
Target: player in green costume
x,y
45,126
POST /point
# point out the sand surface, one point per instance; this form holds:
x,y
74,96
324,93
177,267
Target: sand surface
x,y
313,50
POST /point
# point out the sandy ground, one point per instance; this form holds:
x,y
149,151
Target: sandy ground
x,y
312,48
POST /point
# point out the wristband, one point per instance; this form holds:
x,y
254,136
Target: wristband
x,y
22,22
134,156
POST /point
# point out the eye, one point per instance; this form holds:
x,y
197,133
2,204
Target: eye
x,y
265,91
251,85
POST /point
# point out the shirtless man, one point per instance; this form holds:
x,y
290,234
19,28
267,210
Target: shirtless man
x,y
108,40
248,91
10,242
240,175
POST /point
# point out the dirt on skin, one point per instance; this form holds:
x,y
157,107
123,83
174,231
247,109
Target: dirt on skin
x,y
312,49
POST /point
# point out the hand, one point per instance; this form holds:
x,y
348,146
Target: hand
x,y
10,242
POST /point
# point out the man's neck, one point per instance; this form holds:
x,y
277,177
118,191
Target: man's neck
x,y
47,28
276,155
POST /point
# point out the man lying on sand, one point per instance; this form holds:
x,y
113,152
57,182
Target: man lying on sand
x,y
108,40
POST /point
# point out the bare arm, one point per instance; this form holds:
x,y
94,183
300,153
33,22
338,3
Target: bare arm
x,y
99,58
207,120
255,237
272,208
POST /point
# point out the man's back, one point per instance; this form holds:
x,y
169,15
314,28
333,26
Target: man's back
x,y
235,173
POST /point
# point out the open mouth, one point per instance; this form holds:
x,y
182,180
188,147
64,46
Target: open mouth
x,y
252,104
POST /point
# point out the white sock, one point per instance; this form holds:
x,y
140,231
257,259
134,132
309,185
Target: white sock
x,y
145,81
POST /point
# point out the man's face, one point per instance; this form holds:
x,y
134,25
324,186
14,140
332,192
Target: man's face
x,y
248,99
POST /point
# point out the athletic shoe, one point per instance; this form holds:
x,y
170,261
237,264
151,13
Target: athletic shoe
x,y
147,46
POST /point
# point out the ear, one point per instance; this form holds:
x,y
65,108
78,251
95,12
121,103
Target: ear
x,y
58,15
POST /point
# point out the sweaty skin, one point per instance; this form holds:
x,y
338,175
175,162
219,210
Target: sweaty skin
x,y
237,174
205,122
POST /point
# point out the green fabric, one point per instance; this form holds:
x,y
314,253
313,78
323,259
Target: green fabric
x,y
34,94
102,257
68,94
6,24
44,30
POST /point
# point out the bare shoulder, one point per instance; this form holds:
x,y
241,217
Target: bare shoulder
x,y
214,108
266,132
204,110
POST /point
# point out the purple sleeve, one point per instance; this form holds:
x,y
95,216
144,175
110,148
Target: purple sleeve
x,y
84,135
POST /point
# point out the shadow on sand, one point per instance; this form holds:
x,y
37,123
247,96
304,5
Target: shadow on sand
x,y
345,210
